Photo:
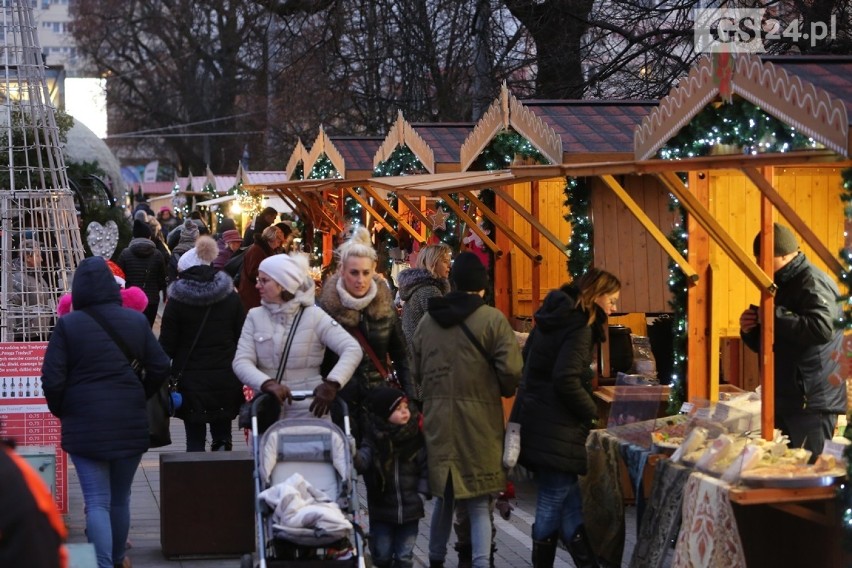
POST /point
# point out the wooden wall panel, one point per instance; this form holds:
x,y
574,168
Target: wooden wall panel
x,y
814,192
553,269
623,246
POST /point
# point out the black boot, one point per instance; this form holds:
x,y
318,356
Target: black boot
x,y
465,552
436,564
544,552
581,549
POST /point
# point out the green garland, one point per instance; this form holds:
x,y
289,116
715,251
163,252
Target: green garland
x,y
581,246
845,491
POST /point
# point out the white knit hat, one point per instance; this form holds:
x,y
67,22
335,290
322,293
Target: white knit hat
x,y
290,272
204,252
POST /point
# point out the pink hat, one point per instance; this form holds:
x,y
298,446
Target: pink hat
x,y
230,236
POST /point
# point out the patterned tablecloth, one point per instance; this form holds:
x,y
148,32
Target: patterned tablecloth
x,y
709,537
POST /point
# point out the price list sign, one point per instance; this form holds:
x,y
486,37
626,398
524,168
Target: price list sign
x,y
24,416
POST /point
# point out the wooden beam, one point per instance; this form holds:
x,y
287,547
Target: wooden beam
x,y
698,298
653,230
396,216
766,311
415,210
500,224
366,205
474,227
794,219
531,218
696,209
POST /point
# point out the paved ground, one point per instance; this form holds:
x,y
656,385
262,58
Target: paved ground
x,y
513,536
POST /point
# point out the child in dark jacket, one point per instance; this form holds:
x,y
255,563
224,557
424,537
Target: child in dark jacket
x,y
392,459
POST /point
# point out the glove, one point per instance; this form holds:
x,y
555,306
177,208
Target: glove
x,y
279,391
324,396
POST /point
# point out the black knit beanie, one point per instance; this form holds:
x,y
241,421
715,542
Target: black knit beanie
x,y
382,401
468,274
141,230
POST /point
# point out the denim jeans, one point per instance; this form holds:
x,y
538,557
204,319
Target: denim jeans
x,y
392,545
442,524
106,494
559,506
196,435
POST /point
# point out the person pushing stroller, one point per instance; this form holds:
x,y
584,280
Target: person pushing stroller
x,y
392,459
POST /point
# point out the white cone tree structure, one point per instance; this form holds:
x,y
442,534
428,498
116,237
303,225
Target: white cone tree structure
x,y
40,241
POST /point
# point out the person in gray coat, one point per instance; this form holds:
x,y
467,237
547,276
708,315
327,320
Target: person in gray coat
x,y
462,407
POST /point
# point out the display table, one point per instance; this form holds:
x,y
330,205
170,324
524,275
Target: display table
x,y
725,525
716,524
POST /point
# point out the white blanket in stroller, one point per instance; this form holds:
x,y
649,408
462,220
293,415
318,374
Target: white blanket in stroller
x,y
301,511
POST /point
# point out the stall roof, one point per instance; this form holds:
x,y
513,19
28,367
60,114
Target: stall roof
x,y
592,127
776,88
831,73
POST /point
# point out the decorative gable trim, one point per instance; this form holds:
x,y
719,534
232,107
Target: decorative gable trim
x,y
324,145
300,154
402,133
788,98
505,112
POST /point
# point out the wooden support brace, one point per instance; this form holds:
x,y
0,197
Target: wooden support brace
x,y
396,216
366,205
717,233
474,226
690,272
795,220
500,224
415,210
531,219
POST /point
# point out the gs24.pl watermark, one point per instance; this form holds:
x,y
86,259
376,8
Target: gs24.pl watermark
x,y
743,30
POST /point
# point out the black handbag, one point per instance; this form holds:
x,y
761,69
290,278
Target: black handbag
x,y
244,417
158,403
175,402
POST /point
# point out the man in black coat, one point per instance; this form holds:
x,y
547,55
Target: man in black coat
x,y
809,390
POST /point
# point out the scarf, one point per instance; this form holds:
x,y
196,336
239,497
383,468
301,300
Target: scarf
x,y
353,303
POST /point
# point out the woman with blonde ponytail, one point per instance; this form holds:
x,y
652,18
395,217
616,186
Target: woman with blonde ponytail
x,y
358,299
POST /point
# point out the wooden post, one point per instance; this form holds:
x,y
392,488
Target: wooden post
x,y
766,361
698,368
502,265
535,241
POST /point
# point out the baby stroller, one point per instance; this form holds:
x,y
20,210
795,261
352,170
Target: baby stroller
x,y
306,505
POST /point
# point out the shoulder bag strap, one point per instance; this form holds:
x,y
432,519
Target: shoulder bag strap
x,y
115,337
192,347
368,349
476,343
290,336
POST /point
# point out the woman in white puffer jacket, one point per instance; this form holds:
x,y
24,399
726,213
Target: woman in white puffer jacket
x,y
286,289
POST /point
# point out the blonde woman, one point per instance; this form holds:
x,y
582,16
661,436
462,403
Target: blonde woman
x,y
363,304
428,278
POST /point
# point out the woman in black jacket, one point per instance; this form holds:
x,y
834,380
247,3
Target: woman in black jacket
x,y
100,401
557,409
202,303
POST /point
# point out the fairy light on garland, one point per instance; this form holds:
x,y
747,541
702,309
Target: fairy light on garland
x,y
581,246
401,162
736,127
249,203
179,202
210,190
845,254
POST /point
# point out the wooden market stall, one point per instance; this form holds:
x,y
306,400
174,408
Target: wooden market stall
x,y
729,198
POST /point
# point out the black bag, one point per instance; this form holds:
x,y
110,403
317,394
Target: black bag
x,y
234,266
157,404
158,417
